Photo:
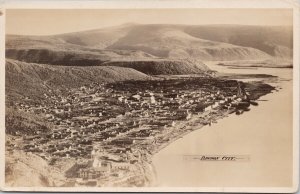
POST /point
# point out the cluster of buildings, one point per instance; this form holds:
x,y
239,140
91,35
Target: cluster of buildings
x,y
122,119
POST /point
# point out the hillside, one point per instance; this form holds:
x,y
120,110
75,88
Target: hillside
x,y
169,42
57,57
144,41
56,53
98,38
34,79
73,57
29,170
163,66
24,123
269,39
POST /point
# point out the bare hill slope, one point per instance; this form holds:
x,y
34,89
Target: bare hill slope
x,y
29,78
265,38
163,66
173,42
205,42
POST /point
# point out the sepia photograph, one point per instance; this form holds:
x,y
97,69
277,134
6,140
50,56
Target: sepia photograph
x,y
150,99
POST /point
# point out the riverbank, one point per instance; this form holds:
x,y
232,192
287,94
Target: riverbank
x,y
196,123
255,134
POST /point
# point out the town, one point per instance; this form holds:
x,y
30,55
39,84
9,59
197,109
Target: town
x,y
111,130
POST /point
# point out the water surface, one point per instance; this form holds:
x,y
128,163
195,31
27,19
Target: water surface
x,y
264,134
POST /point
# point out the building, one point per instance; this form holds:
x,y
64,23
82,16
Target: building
x,y
88,174
101,166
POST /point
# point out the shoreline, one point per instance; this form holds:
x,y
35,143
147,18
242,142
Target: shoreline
x,y
177,137
172,139
281,83
257,158
223,115
181,135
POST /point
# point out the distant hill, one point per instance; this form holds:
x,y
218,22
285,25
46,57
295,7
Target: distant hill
x,y
162,39
57,57
269,39
270,63
51,52
35,79
174,41
156,48
98,38
204,42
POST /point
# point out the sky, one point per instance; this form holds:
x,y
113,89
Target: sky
x,y
57,21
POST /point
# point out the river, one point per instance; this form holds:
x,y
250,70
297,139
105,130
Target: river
x,y
264,134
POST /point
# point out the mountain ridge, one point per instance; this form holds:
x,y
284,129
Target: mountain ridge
x,y
161,39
